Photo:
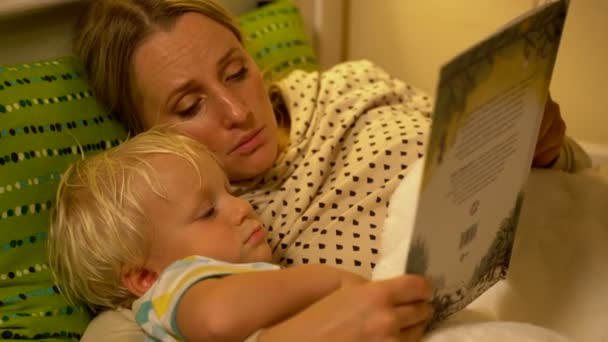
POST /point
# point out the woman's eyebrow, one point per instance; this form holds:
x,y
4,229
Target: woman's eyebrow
x,y
221,63
187,84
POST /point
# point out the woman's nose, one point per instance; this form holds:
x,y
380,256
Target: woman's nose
x,y
232,109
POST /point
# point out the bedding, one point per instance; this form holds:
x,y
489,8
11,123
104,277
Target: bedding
x,y
48,116
495,332
557,276
49,100
277,40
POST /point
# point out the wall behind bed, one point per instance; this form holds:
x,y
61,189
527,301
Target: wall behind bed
x,y
41,29
410,38
36,29
413,38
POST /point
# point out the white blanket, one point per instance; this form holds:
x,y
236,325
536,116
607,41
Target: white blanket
x,y
558,277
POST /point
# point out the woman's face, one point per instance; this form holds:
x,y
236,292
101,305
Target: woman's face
x,y
198,75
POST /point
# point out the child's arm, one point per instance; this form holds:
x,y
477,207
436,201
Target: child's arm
x,y
232,308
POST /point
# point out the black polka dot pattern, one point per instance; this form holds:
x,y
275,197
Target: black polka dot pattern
x,y
354,132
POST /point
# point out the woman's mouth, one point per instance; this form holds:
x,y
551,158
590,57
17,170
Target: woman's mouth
x,y
250,142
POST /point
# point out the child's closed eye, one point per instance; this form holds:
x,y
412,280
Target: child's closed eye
x,y
208,213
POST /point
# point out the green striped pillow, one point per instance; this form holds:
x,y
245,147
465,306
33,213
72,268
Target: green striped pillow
x,y
276,38
47,115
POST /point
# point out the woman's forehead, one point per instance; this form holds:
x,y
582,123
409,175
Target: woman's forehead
x,y
191,51
194,40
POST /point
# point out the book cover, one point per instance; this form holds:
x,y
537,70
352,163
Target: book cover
x,y
488,110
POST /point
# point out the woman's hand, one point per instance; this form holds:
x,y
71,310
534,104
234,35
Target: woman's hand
x,y
351,279
390,310
551,135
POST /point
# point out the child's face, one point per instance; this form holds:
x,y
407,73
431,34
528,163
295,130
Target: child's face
x,y
201,220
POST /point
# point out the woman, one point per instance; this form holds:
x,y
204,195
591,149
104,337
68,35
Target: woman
x,y
318,157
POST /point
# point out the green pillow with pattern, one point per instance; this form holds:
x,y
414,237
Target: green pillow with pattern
x,y
275,37
47,118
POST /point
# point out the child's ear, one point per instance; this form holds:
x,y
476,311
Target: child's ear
x,y
138,279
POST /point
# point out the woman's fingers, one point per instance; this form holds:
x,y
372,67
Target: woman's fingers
x,y
408,288
411,315
550,144
393,309
550,114
403,323
412,334
398,307
551,135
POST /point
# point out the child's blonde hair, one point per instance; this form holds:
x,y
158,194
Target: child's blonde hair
x,y
98,226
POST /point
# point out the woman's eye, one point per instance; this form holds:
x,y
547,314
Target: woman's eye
x,y
191,110
239,75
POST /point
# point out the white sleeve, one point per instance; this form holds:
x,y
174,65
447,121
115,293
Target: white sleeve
x,y
572,157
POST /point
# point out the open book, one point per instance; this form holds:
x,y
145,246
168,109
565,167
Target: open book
x,y
487,114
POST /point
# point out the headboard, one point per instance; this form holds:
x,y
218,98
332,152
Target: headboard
x,y
41,29
35,29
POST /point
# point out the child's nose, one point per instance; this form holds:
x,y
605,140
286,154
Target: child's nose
x,y
242,210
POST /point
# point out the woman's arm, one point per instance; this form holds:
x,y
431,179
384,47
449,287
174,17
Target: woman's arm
x,y
232,308
393,309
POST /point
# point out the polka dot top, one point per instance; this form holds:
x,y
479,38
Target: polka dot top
x,y
354,132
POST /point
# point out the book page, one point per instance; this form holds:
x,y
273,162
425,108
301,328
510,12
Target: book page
x,y
487,115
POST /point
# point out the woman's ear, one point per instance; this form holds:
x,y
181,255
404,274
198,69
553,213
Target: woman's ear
x,y
138,279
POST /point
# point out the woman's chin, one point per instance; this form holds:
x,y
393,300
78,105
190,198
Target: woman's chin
x,y
249,166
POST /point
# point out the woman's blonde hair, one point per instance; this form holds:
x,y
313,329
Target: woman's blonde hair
x,y
111,30
98,226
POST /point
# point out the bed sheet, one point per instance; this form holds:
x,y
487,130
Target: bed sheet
x,y
557,279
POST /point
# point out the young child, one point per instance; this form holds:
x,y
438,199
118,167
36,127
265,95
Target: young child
x,y
143,224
